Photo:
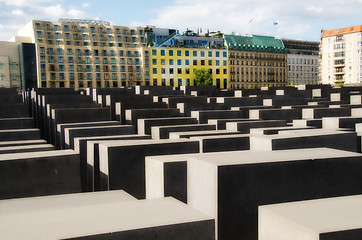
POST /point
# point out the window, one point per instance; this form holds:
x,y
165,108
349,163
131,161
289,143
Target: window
x,y
171,70
194,53
178,61
120,53
66,28
210,53
163,70
202,53
171,61
37,26
202,62
179,53
170,52
70,59
162,52
187,53
163,61
56,35
71,68
154,52
210,62
14,77
224,63
179,70
60,60
137,61
154,70
38,34
187,62
217,54
194,62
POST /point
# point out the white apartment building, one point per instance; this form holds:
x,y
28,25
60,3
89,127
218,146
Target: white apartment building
x,y
303,61
341,56
9,65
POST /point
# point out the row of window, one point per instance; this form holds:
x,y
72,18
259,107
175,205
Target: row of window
x,y
12,65
256,55
91,76
74,28
187,71
13,76
187,62
87,52
89,68
93,37
87,60
255,63
302,61
164,52
94,44
256,78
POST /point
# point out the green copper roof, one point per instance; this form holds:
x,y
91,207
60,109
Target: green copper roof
x,y
254,43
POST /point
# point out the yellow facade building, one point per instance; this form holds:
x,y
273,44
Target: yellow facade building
x,y
174,66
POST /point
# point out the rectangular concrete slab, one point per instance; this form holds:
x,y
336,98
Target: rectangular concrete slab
x,y
322,219
26,148
297,139
231,185
166,218
122,164
39,173
163,132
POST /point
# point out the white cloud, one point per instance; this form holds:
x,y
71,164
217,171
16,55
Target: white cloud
x,y
19,12
315,9
295,18
86,4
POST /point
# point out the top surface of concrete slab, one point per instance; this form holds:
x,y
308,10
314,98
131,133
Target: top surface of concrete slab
x,y
254,157
116,143
97,219
30,155
23,205
84,124
323,215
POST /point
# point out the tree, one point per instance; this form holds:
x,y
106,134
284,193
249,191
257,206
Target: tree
x,y
203,77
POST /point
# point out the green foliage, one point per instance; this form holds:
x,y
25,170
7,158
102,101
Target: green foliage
x,y
339,83
202,77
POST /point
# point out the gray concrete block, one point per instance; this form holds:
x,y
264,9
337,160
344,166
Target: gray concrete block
x,y
325,112
203,116
245,126
178,135
163,132
115,220
276,114
223,143
90,131
132,115
60,140
11,110
22,143
16,123
220,183
39,173
26,148
221,123
19,134
122,164
322,219
299,139
89,157
144,125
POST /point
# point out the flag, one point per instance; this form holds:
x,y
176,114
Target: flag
x,y
275,23
250,20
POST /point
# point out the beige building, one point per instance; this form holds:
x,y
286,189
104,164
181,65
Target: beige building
x,y
256,61
87,53
9,65
341,56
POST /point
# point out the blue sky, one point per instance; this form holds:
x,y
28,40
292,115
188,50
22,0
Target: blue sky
x,y
296,19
